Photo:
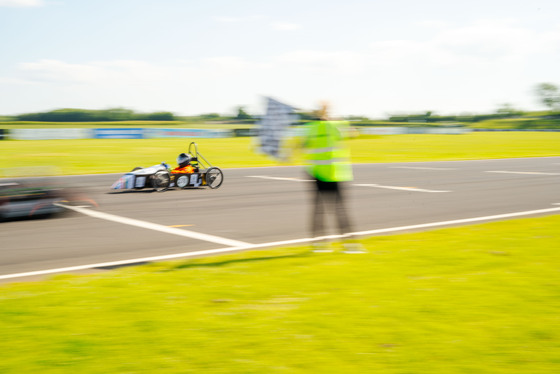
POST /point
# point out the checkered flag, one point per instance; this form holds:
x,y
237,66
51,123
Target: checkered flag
x,y
274,126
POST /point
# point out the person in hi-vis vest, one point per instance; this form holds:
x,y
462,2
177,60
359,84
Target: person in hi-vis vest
x,y
328,163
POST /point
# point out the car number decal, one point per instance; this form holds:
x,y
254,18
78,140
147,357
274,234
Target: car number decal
x,y
196,180
191,180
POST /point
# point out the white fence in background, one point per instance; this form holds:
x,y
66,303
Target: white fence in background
x,y
48,134
114,133
373,130
152,133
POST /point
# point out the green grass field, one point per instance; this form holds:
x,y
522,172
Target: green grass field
x,y
476,299
115,155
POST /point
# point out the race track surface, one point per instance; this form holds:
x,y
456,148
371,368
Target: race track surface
x,y
263,205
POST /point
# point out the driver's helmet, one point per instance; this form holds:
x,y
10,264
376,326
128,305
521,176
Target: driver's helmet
x,y
183,160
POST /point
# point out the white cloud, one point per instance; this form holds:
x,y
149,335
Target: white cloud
x,y
331,62
21,3
54,71
488,40
225,63
102,72
468,68
433,24
481,44
285,26
190,87
229,19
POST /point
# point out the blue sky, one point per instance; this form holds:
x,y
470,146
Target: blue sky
x,y
371,58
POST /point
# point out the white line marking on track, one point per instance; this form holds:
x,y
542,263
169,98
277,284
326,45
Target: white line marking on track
x,y
280,178
420,168
154,226
460,221
399,188
275,244
521,172
361,185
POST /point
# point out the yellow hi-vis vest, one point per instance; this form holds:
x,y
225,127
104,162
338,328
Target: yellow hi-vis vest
x,y
327,158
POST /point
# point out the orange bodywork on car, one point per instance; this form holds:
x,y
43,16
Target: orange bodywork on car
x,y
187,169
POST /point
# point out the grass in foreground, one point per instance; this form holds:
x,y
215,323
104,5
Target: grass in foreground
x,y
476,299
119,156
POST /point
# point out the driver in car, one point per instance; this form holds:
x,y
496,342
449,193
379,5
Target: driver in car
x,y
185,166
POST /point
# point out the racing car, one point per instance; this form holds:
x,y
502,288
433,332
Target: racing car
x,y
193,171
43,196
28,198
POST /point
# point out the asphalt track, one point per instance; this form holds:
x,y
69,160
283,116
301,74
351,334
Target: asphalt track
x,y
266,205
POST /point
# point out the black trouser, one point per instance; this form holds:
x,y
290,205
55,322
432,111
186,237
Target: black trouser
x,y
328,198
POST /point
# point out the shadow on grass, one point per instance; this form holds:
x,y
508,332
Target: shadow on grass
x,y
236,261
113,267
183,265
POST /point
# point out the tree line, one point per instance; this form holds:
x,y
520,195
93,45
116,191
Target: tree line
x,y
85,115
122,114
547,93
